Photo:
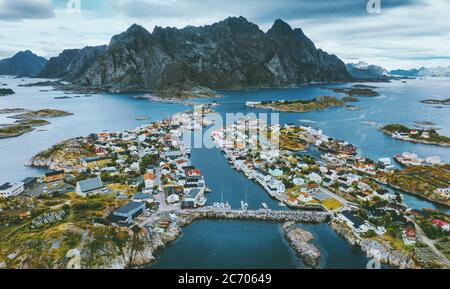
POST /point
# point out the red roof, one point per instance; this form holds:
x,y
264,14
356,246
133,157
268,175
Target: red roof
x,y
193,173
439,223
149,176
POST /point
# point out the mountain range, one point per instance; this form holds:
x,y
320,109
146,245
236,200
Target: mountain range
x,y
423,72
363,70
231,54
24,63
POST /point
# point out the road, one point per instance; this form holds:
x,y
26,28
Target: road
x,y
430,243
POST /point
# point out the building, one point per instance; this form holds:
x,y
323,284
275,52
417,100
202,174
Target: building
x,y
304,197
356,223
314,177
149,180
172,199
10,190
128,213
441,224
409,236
29,183
89,187
197,196
141,197
53,176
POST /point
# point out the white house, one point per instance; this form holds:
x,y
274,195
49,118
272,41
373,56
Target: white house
x,y
277,186
305,197
298,181
314,177
172,199
276,172
11,189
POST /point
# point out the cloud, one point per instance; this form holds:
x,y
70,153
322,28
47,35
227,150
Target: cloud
x,y
14,10
408,33
257,10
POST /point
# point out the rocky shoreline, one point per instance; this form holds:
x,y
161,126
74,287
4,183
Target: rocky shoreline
x,y
155,242
381,250
300,239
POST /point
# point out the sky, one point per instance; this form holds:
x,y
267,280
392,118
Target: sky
x,y
404,34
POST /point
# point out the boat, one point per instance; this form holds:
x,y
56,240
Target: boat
x,y
264,205
142,118
281,204
244,206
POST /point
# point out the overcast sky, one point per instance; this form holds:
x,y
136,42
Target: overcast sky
x,y
406,34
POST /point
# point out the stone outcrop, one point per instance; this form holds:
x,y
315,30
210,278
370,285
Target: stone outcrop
x,y
300,242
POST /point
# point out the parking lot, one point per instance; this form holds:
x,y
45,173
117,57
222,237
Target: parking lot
x,y
50,188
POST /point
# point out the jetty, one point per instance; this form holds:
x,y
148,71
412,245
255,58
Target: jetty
x,y
261,215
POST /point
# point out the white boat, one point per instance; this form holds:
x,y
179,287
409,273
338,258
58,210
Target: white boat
x,y
244,206
281,204
264,205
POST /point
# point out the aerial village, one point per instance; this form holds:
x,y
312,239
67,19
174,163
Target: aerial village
x,y
149,173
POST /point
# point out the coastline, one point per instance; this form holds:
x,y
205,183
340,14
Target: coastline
x,y
413,140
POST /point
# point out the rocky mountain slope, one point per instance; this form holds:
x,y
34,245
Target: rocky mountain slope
x,y
231,54
24,63
72,63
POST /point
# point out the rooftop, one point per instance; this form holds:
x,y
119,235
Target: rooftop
x,y
90,184
128,208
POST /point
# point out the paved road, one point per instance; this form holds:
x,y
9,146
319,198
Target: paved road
x,y
430,243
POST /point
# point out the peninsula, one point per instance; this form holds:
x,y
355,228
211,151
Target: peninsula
x,y
425,136
318,103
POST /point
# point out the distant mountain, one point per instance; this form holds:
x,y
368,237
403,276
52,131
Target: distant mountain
x,y
365,71
72,63
423,72
24,63
230,54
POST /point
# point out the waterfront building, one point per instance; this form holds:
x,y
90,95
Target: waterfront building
x,y
89,187
29,183
54,176
8,190
433,160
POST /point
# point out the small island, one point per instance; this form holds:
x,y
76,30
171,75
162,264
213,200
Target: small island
x,y
436,101
43,113
426,136
20,127
350,99
6,91
26,120
318,103
352,107
357,90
